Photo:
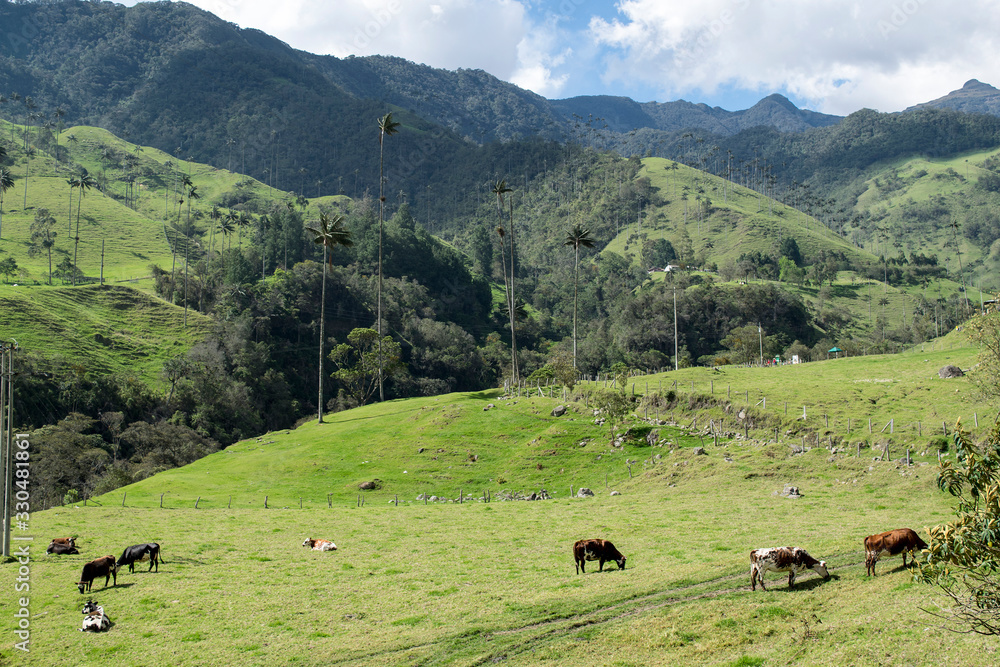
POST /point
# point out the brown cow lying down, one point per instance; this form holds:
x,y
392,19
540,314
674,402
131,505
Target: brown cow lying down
x,y
783,559
320,545
105,566
891,543
599,550
62,545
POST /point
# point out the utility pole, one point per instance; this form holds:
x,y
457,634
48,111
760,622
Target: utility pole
x,y
6,443
675,328
760,335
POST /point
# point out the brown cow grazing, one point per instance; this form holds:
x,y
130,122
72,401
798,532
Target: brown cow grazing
x,y
783,559
320,545
599,550
891,543
105,565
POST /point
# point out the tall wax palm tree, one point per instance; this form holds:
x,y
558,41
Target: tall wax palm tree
x,y
192,193
330,234
86,181
226,228
6,183
386,126
242,222
578,236
29,153
500,189
73,182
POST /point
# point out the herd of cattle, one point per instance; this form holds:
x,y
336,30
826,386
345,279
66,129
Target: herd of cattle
x,y
776,559
792,560
95,620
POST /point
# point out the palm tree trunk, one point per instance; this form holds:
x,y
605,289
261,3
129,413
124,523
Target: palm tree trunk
x,y
378,309
322,334
513,299
576,283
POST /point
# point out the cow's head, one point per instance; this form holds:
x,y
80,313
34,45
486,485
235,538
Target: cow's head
x,y
820,569
621,563
90,607
80,585
309,543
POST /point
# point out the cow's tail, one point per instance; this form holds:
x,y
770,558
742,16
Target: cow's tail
x,y
159,555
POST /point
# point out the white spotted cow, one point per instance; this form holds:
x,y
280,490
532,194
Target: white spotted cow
x,y
783,559
94,618
320,545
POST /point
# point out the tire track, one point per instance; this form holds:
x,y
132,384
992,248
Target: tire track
x,y
551,629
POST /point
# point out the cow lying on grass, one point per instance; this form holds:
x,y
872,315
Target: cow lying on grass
x,y
889,544
62,545
599,550
94,618
140,552
783,559
105,566
320,545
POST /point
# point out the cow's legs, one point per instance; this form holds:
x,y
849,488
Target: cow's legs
x,y
791,578
600,567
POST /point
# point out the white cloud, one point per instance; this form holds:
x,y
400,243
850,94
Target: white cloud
x,y
450,34
840,56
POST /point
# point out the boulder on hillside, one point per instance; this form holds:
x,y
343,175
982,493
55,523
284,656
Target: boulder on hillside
x,y
373,485
559,411
950,371
700,451
653,437
584,492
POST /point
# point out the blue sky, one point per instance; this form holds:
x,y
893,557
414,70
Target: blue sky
x,y
834,56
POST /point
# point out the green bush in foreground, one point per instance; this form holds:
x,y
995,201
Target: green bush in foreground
x,y
964,555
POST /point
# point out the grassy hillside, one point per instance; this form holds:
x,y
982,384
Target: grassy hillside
x,y
478,583
911,205
739,220
131,237
114,329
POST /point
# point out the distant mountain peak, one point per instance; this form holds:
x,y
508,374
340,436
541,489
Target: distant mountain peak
x,y
973,97
976,84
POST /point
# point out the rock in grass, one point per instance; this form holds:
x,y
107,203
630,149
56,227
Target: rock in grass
x,y
559,411
950,371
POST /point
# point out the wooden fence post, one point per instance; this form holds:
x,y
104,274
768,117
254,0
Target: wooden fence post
x,y
265,502
196,502
230,505
161,501
123,498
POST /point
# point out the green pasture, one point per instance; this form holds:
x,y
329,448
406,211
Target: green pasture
x,y
484,583
838,397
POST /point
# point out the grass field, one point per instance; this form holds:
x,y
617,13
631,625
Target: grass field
x,y
480,583
435,583
110,329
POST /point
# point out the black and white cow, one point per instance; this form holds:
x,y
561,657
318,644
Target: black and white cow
x,y
140,552
94,618
783,559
